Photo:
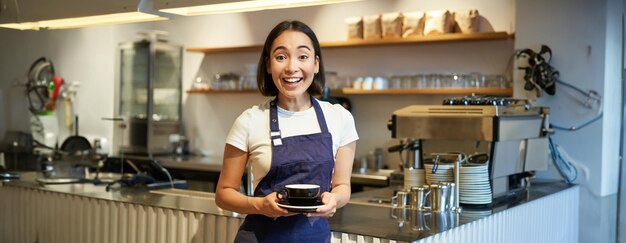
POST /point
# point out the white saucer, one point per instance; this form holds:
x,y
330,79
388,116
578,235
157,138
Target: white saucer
x,y
300,209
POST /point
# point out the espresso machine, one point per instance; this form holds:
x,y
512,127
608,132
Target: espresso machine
x,y
512,132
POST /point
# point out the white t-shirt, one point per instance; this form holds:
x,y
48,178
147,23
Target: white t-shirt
x,y
251,131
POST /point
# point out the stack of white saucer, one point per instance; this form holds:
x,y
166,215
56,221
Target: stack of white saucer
x,y
443,172
474,187
413,177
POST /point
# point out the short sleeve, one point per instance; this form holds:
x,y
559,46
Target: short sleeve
x,y
348,130
239,133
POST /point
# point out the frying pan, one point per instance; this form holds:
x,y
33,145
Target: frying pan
x,y
75,143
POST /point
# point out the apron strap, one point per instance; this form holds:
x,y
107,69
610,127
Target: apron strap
x,y
320,115
275,135
274,130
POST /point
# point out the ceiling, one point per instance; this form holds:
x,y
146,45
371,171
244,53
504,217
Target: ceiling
x,y
19,11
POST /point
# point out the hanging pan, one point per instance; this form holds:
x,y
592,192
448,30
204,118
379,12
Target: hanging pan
x,y
75,143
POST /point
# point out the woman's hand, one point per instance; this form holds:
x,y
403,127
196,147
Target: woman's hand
x,y
329,209
268,206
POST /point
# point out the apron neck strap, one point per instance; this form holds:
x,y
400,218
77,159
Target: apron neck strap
x,y
274,128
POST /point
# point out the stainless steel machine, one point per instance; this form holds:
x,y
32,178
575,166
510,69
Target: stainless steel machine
x,y
512,132
150,100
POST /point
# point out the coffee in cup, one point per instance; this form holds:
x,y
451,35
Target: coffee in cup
x,y
300,194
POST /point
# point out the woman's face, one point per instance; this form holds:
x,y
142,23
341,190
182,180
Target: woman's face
x,y
292,63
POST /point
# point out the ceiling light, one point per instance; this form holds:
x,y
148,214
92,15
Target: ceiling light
x,y
248,6
146,12
118,18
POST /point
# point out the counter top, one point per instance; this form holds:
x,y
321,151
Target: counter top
x,y
361,217
195,201
358,217
378,178
210,164
191,162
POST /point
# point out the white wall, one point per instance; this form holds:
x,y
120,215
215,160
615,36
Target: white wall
x,y
585,37
89,55
587,56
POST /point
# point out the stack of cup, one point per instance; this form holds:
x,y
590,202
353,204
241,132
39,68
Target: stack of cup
x,y
413,177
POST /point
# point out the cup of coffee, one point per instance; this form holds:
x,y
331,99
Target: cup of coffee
x,y
300,194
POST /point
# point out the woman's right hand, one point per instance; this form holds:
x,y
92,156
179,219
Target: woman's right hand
x,y
268,206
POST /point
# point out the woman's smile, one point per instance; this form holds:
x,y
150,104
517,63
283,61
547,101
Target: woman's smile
x,y
291,83
292,80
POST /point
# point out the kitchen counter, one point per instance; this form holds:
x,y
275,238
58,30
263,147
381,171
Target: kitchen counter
x,y
385,221
212,166
378,178
360,219
189,162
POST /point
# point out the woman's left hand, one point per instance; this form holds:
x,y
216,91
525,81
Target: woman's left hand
x,y
329,208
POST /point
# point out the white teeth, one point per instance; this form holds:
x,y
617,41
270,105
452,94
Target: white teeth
x,y
292,80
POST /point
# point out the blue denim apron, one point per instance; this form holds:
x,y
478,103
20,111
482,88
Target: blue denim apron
x,y
295,160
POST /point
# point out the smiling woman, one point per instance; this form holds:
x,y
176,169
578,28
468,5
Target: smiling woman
x,y
292,138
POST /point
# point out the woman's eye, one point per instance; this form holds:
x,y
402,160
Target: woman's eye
x,y
303,57
280,57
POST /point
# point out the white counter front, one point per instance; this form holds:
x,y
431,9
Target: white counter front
x,y
77,213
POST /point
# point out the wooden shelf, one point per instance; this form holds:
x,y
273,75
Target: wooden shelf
x,y
348,91
211,91
433,91
455,37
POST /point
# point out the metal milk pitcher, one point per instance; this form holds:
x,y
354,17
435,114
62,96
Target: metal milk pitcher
x,y
401,200
418,197
451,195
438,197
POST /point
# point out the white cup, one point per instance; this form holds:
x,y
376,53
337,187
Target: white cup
x,y
357,83
368,83
380,83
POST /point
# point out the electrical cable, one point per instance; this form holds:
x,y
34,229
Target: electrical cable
x,y
577,127
565,168
539,75
169,176
592,97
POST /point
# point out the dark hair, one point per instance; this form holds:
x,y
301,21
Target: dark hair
x,y
264,80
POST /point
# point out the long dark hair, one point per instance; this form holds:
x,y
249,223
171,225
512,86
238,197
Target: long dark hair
x,y
264,79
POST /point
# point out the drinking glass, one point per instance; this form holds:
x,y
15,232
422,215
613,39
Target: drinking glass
x,y
396,82
331,80
473,80
457,80
419,81
407,82
447,80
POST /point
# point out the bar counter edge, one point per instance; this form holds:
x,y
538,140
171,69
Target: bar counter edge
x,y
31,212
